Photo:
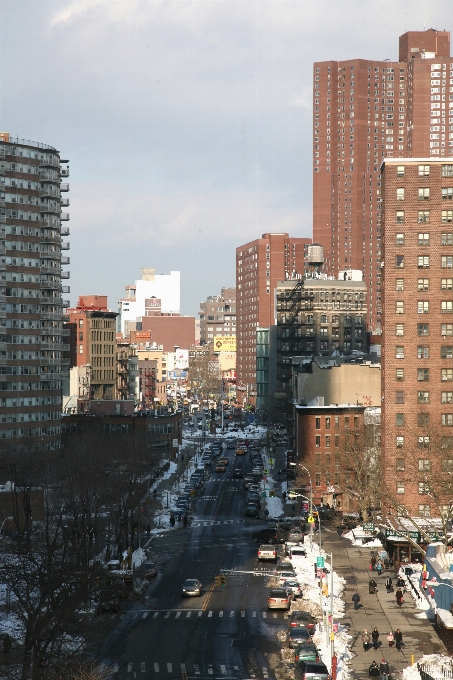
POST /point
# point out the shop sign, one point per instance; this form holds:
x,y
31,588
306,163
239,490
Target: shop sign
x,y
368,526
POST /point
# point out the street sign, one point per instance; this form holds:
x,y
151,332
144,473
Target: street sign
x,y
311,519
175,443
263,495
368,526
320,562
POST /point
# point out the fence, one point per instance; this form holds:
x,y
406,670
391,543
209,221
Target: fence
x,y
435,671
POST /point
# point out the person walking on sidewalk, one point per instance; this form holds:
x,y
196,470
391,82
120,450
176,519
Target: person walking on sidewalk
x,y
373,670
356,600
398,639
384,669
399,597
379,567
372,585
365,639
390,639
375,637
372,563
388,584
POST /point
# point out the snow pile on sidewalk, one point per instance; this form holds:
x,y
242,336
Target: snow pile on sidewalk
x,y
358,536
436,665
421,599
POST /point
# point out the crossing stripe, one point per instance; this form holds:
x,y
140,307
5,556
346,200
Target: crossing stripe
x,y
156,614
188,615
178,614
242,614
209,614
145,615
156,667
220,614
231,614
129,667
169,667
142,667
253,614
264,615
167,615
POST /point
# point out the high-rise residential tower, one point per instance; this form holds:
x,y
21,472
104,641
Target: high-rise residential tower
x,y
260,264
365,111
218,315
31,260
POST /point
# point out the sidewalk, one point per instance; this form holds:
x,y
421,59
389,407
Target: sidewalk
x,y
380,610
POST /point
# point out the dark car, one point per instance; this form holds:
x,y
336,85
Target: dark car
x,y
191,586
252,510
109,601
311,670
150,570
307,651
248,481
267,536
237,474
297,635
301,617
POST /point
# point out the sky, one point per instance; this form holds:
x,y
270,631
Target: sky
x,y
187,123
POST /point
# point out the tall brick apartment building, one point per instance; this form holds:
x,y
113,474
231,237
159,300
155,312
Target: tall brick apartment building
x,y
417,357
365,111
260,264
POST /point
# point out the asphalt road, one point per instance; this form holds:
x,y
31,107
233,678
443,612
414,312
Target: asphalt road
x,y
225,633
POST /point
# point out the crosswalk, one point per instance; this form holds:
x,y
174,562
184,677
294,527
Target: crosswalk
x,y
143,669
196,614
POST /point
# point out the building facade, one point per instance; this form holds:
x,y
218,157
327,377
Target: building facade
x,y
218,316
260,264
417,341
152,291
32,181
93,342
364,111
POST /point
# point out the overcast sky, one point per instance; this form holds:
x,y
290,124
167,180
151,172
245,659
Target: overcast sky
x,y
187,124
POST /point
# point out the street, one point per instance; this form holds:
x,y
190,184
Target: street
x,y
227,632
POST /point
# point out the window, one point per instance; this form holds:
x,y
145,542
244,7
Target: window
x,y
327,440
446,329
423,419
399,329
318,479
400,419
399,376
399,284
400,442
399,307
447,215
400,261
80,337
423,487
447,171
446,306
346,422
423,261
423,329
423,374
400,239
423,239
446,397
446,239
423,170
447,419
400,464
423,442
446,284
400,216
423,352
399,352
423,307
423,218
400,194
446,352
423,194
399,397
447,443
318,441
399,487
337,440
423,509
317,423
80,323
422,284
447,464
400,170
446,374
80,349
423,397
447,193
337,422
356,422
446,261
424,464
327,423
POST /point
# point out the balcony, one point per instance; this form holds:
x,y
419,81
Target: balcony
x,y
50,163
66,332
55,255
64,202
51,331
64,172
49,362
65,289
51,239
65,260
64,217
50,270
65,274
65,362
51,316
66,303
65,246
64,231
48,176
53,209
64,186
49,192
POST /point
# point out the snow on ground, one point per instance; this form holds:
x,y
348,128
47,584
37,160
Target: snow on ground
x,y
357,537
10,624
434,664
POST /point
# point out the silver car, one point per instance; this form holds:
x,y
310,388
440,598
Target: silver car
x,y
279,598
191,586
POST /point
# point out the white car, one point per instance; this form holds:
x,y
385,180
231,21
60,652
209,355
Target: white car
x,y
294,587
285,576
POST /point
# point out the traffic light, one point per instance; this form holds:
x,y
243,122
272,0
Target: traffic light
x,y
217,580
223,581
325,590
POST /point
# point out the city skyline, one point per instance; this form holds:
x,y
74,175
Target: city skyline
x,y
188,125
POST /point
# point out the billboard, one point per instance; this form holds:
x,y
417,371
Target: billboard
x,y
181,358
224,343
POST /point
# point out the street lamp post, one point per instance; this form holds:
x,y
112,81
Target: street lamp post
x,y
311,508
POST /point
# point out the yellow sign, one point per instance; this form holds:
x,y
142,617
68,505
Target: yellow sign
x,y
224,343
311,520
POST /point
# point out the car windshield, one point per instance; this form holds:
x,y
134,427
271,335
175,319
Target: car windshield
x,y
191,582
278,593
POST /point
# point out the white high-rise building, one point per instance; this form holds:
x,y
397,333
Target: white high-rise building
x,y
152,293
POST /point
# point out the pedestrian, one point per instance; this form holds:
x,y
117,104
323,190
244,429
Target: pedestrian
x,y
398,639
356,600
401,583
372,585
399,597
372,563
375,637
390,639
379,567
7,643
373,670
365,639
389,584
384,669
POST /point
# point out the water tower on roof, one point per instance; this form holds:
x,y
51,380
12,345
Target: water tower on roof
x,y
315,257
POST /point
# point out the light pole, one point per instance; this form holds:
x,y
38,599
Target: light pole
x,y
311,509
3,523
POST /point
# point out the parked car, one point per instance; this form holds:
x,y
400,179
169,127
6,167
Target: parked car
x,y
267,552
296,635
307,651
311,670
220,467
278,598
237,473
284,567
191,586
231,444
294,587
285,576
150,570
298,617
296,551
252,510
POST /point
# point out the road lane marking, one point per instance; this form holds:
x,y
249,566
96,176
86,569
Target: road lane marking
x,y
231,614
142,667
188,615
265,673
210,670
264,615
145,615
200,613
156,614
220,614
209,614
253,614
183,668
156,667
167,615
223,669
178,614
242,614
169,667
196,669
129,667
